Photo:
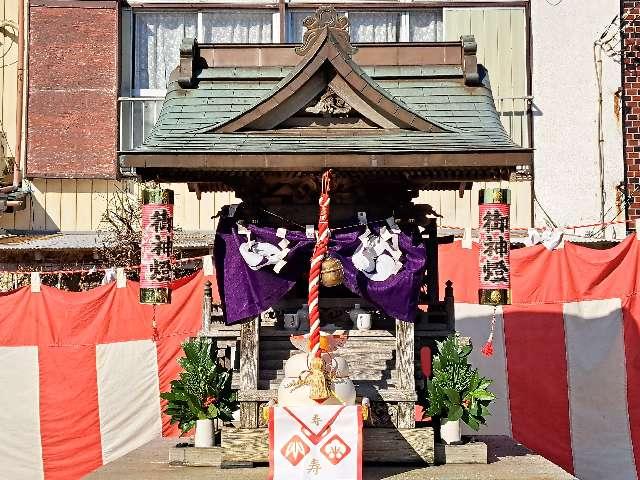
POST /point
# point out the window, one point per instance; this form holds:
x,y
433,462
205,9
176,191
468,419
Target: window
x,y
415,25
151,50
374,26
425,25
237,27
157,46
158,35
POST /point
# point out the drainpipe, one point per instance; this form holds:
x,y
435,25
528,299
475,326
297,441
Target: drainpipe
x,y
597,61
17,174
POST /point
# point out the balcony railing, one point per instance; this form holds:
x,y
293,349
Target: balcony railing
x,y
139,114
515,114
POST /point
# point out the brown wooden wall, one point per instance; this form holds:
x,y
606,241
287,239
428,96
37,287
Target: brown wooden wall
x,y
72,128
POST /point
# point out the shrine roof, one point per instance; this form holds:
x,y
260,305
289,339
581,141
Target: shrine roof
x,y
446,100
417,105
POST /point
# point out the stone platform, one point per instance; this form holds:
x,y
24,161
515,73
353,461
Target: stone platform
x,y
380,445
507,461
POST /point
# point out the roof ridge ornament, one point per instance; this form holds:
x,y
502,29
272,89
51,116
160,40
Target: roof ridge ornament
x,y
470,60
326,18
189,52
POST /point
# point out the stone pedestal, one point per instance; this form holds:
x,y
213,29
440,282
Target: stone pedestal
x,y
472,452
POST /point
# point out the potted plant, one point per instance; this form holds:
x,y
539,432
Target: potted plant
x,y
201,394
456,390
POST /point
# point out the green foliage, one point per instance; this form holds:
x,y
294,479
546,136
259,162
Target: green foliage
x,y
457,391
203,390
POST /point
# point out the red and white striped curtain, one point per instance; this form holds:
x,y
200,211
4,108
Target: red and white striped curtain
x,y
566,366
80,374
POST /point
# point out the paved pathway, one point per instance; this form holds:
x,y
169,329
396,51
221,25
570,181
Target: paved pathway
x,y
509,461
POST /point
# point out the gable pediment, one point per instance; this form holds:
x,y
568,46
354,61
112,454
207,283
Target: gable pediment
x,y
333,102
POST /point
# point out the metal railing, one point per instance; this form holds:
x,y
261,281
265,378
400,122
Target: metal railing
x,y
515,114
138,115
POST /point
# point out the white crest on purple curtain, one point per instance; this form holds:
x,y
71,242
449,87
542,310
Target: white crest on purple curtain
x,y
258,255
378,257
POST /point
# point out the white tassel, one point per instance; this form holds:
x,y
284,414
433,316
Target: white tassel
x,y
121,278
466,238
207,265
35,282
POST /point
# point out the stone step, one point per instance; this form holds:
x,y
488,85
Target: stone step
x,y
380,445
355,375
362,362
348,355
379,390
349,347
350,341
364,385
368,363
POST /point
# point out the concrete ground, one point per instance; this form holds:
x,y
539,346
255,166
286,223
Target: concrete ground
x,y
508,461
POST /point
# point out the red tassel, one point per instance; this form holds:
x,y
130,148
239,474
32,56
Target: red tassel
x,y
487,349
154,325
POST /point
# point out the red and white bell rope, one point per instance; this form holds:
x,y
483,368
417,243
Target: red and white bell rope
x,y
319,253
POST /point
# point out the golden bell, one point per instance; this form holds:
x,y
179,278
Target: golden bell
x,y
331,273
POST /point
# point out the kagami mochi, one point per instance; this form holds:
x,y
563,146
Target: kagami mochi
x,y
295,389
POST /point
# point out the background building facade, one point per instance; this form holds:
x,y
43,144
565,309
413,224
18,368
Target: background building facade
x,y
10,120
631,107
97,72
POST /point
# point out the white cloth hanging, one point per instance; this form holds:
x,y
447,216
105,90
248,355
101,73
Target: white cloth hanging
x,y
258,255
378,257
109,276
550,238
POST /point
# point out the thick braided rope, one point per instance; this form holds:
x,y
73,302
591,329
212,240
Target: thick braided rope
x,y
319,253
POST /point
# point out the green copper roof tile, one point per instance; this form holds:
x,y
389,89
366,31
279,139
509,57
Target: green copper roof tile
x,y
437,93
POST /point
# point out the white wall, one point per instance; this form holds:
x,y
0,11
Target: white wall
x,y
566,173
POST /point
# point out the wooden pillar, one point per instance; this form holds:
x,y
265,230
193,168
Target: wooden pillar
x,y
450,306
405,344
206,308
405,368
406,415
431,244
249,346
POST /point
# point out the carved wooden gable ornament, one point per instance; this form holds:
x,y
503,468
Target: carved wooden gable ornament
x,y
327,91
326,18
